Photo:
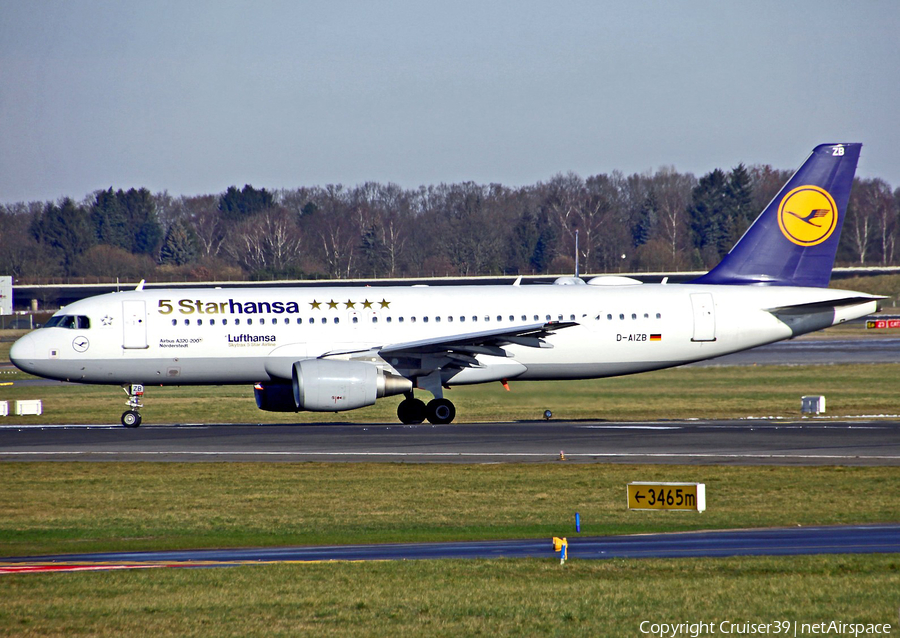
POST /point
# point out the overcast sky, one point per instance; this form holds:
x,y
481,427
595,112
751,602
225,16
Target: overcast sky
x,y
192,97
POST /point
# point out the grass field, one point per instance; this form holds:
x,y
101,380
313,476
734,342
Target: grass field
x,y
454,598
739,392
81,507
75,507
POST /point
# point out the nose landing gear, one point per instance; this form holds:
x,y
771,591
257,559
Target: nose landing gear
x,y
132,418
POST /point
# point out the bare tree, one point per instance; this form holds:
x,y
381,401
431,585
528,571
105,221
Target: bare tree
x,y
270,241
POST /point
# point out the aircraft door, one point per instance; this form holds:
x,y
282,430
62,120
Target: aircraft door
x,y
704,317
134,315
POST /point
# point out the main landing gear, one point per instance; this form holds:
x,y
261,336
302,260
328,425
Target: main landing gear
x,y
132,418
412,411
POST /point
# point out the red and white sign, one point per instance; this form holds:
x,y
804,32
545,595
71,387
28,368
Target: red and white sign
x,y
879,324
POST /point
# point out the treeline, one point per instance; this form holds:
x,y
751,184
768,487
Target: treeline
x,y
649,222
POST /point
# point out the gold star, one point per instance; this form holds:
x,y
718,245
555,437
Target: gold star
x,y
367,304
332,304
385,304
315,305
349,304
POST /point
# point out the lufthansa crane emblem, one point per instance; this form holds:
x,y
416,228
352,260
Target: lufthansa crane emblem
x,y
807,215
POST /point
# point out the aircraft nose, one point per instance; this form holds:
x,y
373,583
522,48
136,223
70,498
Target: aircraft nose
x,y
23,352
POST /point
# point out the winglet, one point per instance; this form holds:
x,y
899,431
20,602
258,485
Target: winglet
x,y
795,239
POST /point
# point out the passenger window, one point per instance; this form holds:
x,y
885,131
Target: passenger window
x,y
658,316
299,320
374,319
224,322
548,318
199,322
336,320
474,318
634,315
212,322
437,319
312,320
621,317
499,318
524,318
389,320
400,319
174,322
187,322
425,319
355,320
646,316
487,318
324,320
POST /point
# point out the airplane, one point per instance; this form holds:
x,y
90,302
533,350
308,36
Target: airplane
x,y
333,349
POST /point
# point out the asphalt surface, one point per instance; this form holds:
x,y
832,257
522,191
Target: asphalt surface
x,y
816,351
850,539
745,442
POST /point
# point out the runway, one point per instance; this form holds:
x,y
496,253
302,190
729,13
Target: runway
x,y
849,539
813,441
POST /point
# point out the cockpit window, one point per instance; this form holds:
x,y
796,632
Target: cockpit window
x,y
74,322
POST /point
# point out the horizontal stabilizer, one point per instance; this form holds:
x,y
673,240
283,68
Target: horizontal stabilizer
x,y
809,317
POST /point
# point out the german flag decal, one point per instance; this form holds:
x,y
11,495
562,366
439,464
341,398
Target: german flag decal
x,y
655,337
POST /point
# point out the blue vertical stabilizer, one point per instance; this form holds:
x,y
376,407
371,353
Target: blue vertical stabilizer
x,y
794,241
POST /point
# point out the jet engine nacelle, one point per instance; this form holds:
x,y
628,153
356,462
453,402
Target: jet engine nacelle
x,y
327,385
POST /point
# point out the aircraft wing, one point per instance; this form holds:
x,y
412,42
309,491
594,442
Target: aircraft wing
x,y
462,348
484,342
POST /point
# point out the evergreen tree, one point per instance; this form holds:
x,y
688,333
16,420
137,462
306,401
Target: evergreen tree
x,y
739,208
238,205
646,221
140,210
180,245
708,216
110,220
66,230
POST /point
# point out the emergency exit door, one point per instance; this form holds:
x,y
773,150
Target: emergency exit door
x,y
704,317
135,325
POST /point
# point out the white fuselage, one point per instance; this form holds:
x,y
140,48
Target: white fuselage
x,y
239,335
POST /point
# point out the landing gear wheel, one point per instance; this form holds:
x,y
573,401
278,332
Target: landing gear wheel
x,y
441,411
131,418
411,411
